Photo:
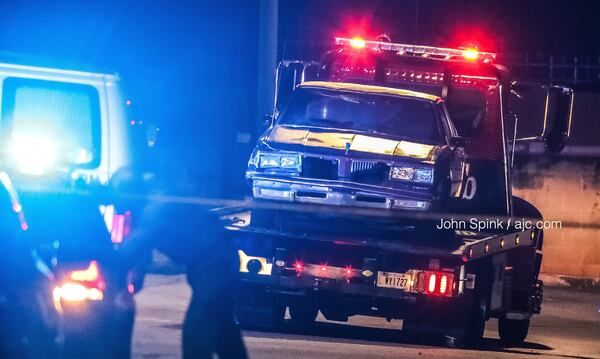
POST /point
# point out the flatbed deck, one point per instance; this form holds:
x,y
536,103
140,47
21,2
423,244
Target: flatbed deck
x,y
388,231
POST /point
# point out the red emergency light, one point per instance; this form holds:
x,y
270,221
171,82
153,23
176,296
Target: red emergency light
x,y
465,54
471,54
358,43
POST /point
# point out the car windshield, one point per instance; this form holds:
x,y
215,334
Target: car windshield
x,y
398,117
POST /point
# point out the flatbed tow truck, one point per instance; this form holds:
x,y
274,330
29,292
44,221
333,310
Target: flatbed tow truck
x,y
404,264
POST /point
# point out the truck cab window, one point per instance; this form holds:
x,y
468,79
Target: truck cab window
x,y
467,111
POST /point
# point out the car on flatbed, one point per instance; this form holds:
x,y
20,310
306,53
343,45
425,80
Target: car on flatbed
x,y
358,145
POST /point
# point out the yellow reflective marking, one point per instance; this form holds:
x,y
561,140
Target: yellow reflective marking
x,y
266,268
370,89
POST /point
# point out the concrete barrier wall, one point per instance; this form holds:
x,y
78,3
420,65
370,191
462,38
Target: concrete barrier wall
x,y
565,189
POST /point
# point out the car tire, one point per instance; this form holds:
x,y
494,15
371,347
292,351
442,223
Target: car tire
x,y
303,313
260,316
512,332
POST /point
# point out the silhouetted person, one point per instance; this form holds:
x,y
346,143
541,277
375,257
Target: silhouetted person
x,y
191,235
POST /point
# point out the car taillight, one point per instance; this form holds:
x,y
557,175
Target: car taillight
x,y
79,286
437,283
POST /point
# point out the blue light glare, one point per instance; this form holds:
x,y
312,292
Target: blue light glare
x,y
33,155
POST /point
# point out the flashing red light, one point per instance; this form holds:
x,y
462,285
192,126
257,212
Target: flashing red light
x,y
348,271
323,268
358,43
471,54
298,266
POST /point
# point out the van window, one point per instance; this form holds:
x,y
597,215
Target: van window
x,y
67,115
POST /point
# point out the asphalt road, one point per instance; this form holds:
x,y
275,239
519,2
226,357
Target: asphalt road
x,y
569,327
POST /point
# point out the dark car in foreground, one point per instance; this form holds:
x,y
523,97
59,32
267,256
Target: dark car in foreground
x,y
63,290
92,293
359,145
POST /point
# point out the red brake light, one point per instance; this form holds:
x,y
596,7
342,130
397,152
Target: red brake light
x,y
80,285
443,284
90,274
431,282
437,283
358,43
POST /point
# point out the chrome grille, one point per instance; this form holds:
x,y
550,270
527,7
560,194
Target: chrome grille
x,y
358,166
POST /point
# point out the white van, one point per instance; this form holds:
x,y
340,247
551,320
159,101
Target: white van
x,y
61,123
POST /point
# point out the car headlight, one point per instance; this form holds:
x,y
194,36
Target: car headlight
x,y
285,162
424,175
403,173
290,162
268,161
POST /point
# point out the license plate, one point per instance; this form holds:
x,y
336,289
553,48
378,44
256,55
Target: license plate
x,y
393,280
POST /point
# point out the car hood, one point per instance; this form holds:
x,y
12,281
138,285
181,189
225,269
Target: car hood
x,y
305,138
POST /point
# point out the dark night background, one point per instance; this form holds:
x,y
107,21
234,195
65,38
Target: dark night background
x,y
191,67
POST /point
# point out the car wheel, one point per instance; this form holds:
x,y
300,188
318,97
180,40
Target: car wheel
x,y
303,313
256,308
512,332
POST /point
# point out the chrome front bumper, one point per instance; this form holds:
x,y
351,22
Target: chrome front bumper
x,y
333,194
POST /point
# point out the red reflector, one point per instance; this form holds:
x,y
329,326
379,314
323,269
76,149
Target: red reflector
x,y
118,225
121,227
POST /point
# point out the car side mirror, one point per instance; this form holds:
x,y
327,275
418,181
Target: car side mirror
x,y
558,118
269,119
459,141
520,87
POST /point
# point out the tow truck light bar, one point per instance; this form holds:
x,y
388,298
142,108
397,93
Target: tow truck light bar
x,y
468,54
